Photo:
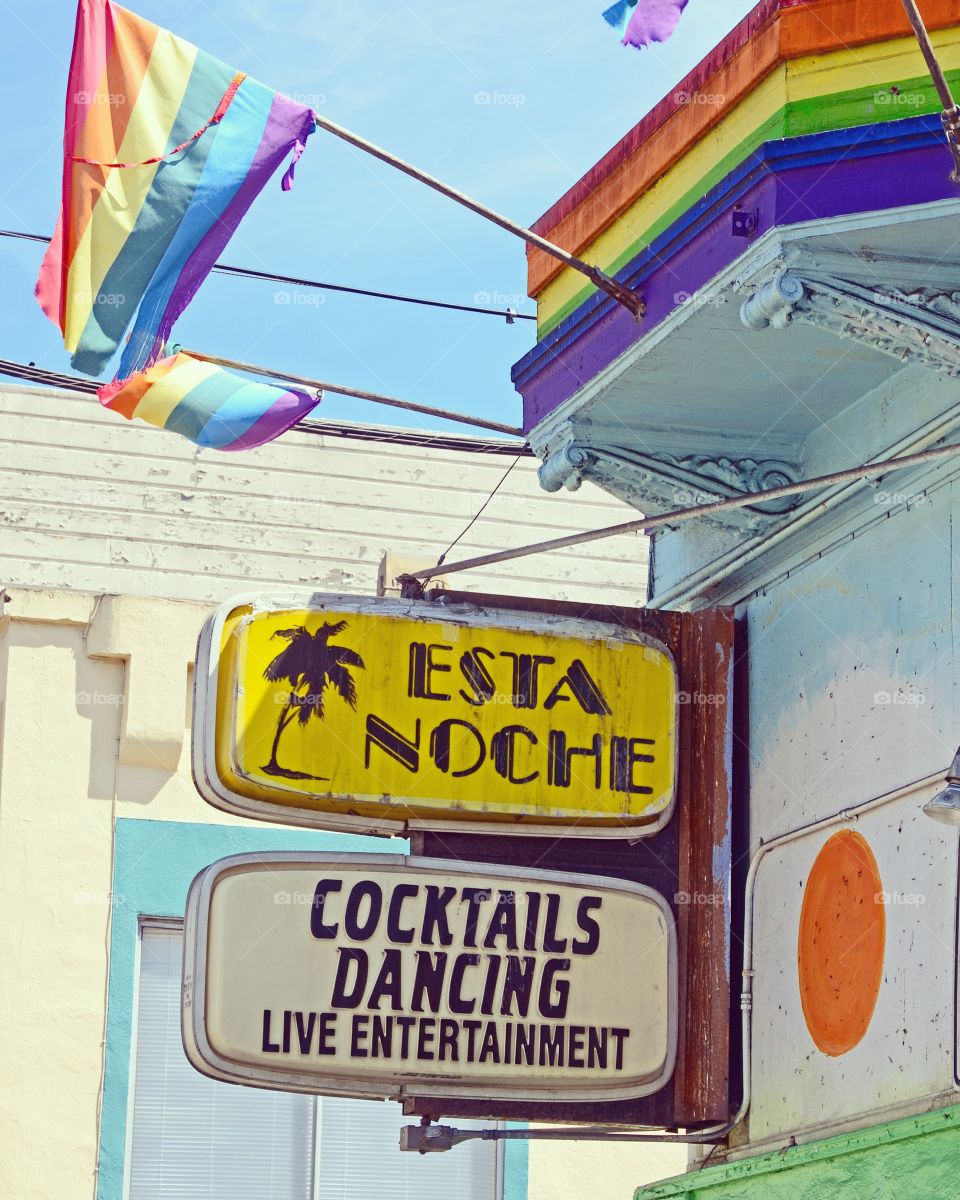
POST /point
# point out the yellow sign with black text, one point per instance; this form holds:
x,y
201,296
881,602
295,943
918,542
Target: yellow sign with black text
x,y
382,714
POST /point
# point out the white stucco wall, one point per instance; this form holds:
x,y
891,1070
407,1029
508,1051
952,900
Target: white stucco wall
x,y
91,501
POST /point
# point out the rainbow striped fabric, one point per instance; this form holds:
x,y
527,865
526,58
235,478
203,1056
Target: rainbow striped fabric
x,y
165,148
206,404
640,22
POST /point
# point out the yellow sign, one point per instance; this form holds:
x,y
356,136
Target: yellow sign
x,y
383,714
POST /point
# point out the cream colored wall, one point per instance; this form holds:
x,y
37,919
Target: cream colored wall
x,y
103,602
56,811
598,1171
94,716
94,712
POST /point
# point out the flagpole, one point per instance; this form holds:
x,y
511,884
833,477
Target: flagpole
x,y
630,299
951,113
320,385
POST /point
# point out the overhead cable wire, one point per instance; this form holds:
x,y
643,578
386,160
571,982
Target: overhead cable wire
x,y
37,374
510,315
321,385
479,513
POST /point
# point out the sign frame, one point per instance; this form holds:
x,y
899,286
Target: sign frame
x,y
711,650
205,695
208,1062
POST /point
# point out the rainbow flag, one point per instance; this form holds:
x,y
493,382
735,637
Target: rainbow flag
x,y
206,404
618,15
165,148
641,22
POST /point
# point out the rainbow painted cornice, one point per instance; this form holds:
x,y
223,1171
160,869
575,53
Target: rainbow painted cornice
x,y
809,109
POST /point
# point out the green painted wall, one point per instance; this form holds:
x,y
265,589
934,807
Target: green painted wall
x,y
917,1158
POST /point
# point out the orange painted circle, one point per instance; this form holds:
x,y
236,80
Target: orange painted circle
x,y
841,943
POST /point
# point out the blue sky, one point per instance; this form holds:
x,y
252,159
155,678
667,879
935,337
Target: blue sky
x,y
509,102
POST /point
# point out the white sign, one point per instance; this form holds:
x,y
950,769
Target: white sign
x,y
388,976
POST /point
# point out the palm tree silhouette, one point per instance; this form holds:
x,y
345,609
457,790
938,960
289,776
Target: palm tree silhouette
x,y
310,665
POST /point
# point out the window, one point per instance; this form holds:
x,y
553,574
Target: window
x,y
195,1138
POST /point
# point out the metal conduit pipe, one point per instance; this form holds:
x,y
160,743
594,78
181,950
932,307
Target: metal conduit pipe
x,y
427,1138
871,470
715,572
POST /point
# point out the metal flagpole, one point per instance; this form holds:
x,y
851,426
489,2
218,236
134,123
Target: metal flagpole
x,y
951,113
622,294
320,385
415,579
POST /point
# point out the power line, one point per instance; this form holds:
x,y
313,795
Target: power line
x,y
321,385
479,513
510,315
35,374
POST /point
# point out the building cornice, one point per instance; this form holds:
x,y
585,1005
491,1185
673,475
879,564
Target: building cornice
x,y
921,325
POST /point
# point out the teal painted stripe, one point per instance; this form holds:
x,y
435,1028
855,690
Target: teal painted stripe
x,y
201,403
238,413
229,159
153,865
170,194
516,1166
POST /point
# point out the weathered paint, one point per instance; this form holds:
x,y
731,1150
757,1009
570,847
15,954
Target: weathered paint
x,y
841,943
94,504
845,91
424,724
814,49
802,179
853,692
915,1157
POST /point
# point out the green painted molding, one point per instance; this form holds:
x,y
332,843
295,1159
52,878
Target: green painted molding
x,y
915,1157
822,114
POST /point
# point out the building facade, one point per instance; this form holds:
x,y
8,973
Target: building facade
x,y
789,217
116,540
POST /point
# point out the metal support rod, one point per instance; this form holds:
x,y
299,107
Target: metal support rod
x,y
649,524
623,295
951,114
374,397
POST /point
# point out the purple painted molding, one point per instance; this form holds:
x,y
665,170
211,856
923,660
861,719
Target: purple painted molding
x,y
590,339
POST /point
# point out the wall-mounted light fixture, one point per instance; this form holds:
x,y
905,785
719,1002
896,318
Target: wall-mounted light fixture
x,y
945,805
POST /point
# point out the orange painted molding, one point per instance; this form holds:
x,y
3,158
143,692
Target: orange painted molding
x,y
775,32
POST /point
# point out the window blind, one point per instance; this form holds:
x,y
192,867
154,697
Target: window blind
x,y
195,1138
361,1159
